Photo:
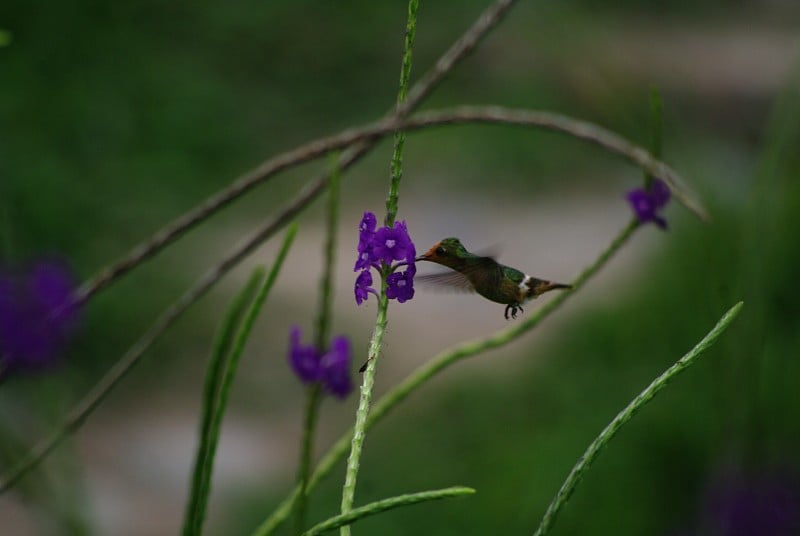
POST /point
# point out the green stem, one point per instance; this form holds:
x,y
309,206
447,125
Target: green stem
x,y
387,504
230,371
332,225
362,414
221,348
396,171
396,166
314,394
437,364
313,398
626,414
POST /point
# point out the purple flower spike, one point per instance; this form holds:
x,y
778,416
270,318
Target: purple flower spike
x,y
336,368
37,315
387,249
400,285
363,287
392,244
305,360
646,204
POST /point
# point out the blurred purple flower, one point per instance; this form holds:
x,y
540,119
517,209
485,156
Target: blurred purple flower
x,y
37,315
400,286
767,504
303,359
647,204
335,366
331,369
380,249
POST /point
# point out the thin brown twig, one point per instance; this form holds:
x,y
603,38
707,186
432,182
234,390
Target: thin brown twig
x,y
172,231
175,229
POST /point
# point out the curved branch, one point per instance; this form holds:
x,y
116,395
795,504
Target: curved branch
x,y
370,133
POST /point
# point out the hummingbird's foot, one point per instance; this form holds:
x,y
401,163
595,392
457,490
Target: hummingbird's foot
x,y
513,307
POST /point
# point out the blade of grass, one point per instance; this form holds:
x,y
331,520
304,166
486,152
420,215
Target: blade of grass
x,y
221,348
231,364
585,461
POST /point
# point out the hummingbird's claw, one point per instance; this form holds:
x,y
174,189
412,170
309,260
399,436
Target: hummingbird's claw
x,y
513,307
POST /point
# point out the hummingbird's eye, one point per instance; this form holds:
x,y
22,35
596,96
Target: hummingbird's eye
x,y
440,250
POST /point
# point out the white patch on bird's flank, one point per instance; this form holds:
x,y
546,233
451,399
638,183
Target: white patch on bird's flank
x,y
524,288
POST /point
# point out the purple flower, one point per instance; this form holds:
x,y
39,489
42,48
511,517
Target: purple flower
x,y
331,369
392,243
303,359
363,287
400,285
366,230
380,249
37,315
335,367
647,204
366,235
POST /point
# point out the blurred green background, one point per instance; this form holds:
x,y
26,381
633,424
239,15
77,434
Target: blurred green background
x,y
117,118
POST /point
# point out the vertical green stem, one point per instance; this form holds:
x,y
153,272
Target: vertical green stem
x,y
313,397
326,295
396,167
314,393
359,429
396,172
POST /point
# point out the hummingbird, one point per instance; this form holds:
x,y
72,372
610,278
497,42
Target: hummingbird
x,y
484,275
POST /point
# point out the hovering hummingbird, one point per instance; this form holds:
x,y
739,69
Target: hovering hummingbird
x,y
484,275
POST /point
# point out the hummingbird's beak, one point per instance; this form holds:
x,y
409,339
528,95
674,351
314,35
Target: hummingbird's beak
x,y
423,257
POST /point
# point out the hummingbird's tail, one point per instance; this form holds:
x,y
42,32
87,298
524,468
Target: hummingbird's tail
x,y
541,286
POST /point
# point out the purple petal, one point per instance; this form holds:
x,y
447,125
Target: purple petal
x,y
363,286
659,193
366,237
400,286
368,223
37,315
304,360
336,368
392,243
642,204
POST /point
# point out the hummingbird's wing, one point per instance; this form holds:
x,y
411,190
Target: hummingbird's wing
x,y
481,270
452,281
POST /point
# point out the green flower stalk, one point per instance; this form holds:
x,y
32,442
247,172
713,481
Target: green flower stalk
x,y
359,430
314,393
